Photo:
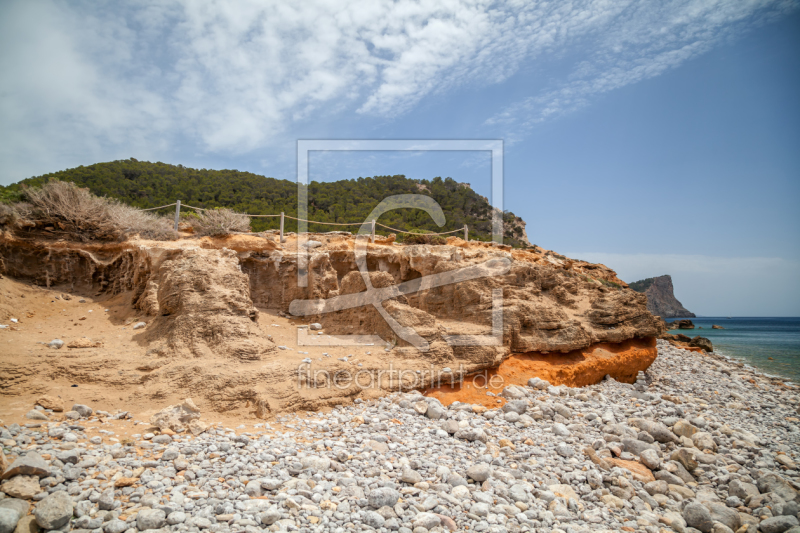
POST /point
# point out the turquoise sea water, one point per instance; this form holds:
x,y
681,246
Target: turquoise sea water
x,y
754,341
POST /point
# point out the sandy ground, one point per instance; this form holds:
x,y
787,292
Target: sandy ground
x,y
45,314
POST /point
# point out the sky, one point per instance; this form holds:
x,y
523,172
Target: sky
x,y
655,137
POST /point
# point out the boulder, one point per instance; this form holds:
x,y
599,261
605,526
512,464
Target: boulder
x,y
24,487
776,484
698,516
704,441
150,519
51,402
686,457
778,524
683,428
8,520
30,464
54,511
177,417
84,410
657,430
703,343
724,514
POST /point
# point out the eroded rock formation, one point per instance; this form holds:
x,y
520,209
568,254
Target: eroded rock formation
x,y
205,338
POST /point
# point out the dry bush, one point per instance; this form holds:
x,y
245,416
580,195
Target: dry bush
x,y
70,209
424,238
148,226
223,221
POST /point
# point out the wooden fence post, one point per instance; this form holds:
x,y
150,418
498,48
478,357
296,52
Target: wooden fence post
x,y
281,226
466,233
177,213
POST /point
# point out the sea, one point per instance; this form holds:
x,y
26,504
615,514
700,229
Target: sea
x,y
770,345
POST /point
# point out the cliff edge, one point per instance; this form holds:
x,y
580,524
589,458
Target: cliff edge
x,y
661,300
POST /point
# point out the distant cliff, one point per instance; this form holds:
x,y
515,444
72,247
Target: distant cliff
x,y
660,299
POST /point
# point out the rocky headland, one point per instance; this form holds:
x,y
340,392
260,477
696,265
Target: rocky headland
x,y
661,299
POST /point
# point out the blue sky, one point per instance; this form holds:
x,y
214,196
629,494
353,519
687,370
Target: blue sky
x,y
654,137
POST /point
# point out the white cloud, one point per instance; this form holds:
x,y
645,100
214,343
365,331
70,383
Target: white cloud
x,y
84,82
715,286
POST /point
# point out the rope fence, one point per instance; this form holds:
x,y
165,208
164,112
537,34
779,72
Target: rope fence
x,y
283,216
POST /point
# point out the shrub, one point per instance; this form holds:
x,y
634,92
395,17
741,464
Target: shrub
x,y
70,209
220,221
422,237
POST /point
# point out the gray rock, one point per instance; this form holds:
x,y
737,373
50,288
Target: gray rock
x,y
450,426
8,519
426,520
150,519
115,526
373,519
698,517
471,434
742,490
564,450
20,506
724,514
269,517
30,464
650,459
139,325
435,411
55,344
84,410
383,496
176,517
518,493
479,472
54,511
253,489
106,501
35,414
778,524
517,406
410,476
775,483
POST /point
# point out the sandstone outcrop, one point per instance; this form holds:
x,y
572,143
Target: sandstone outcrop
x,y
201,301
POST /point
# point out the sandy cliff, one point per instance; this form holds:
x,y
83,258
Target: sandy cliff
x,y
218,325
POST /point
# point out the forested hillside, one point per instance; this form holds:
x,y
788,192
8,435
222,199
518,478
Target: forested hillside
x,y
144,184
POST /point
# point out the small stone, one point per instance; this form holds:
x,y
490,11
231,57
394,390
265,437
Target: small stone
x,y
698,516
479,472
176,517
150,519
426,520
650,459
55,344
410,476
139,325
383,496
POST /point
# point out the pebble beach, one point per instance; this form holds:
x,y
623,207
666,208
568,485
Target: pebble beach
x,y
698,443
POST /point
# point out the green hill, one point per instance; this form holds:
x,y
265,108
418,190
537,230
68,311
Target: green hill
x,y
143,184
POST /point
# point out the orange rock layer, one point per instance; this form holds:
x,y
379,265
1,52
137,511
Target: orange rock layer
x,y
577,368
